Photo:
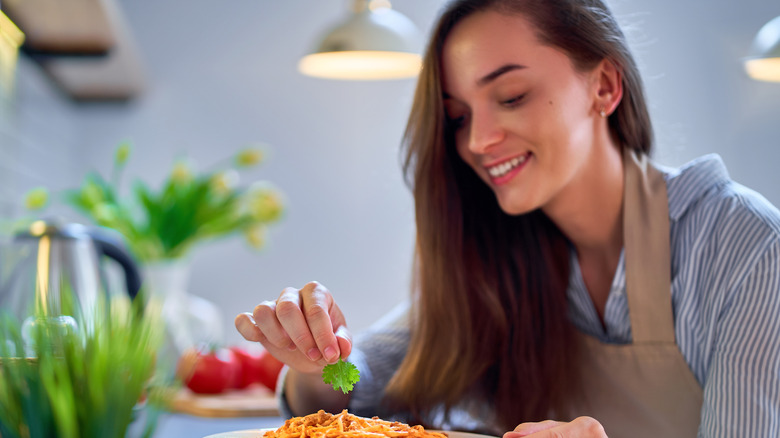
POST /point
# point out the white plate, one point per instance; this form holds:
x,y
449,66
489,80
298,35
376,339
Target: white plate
x,y
257,433
254,433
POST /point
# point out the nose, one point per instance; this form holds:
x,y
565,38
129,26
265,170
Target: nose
x,y
484,132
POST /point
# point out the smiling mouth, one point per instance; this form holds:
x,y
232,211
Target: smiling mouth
x,y
504,168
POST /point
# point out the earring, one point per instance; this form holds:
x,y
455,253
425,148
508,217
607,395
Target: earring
x,y
602,113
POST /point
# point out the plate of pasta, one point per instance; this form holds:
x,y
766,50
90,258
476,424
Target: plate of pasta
x,y
343,425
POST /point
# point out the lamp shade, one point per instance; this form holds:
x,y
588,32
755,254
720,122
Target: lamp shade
x,y
764,61
378,43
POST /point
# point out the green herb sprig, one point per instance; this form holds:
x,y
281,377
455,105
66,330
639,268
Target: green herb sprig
x,y
341,375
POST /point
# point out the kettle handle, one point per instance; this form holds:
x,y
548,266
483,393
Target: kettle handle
x,y
112,247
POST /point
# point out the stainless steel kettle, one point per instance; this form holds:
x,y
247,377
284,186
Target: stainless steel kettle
x,y
36,264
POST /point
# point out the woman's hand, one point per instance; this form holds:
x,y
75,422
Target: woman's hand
x,y
581,427
304,328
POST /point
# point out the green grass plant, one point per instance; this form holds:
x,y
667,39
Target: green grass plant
x,y
82,380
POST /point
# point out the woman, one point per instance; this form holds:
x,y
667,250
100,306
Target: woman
x,y
559,273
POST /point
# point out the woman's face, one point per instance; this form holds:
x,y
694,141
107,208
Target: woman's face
x,y
523,117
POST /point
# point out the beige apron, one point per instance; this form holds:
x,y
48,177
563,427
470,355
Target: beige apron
x,y
643,389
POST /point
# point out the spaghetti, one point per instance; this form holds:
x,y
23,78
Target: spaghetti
x,y
325,425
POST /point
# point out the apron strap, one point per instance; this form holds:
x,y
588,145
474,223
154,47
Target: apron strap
x,y
646,241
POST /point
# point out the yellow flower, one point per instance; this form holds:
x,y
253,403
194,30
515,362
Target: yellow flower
x,y
122,153
249,156
224,182
264,203
255,235
181,173
36,198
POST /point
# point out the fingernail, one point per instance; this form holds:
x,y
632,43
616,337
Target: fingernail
x,y
343,332
330,354
292,347
314,354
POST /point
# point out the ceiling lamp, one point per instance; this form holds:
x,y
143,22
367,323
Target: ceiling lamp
x,y
764,61
375,42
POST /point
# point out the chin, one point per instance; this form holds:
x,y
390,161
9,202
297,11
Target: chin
x,y
516,209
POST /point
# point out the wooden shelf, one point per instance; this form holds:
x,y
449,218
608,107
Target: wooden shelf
x,y
116,76
62,26
84,46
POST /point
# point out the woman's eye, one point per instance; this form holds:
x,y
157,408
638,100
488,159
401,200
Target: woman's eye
x,y
514,101
456,122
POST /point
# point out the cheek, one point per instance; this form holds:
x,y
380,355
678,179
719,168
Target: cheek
x,y
576,116
579,132
564,109
566,126
463,151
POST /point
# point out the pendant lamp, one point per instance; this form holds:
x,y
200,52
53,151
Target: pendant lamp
x,y
375,42
764,61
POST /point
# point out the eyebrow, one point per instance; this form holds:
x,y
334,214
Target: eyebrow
x,y
492,76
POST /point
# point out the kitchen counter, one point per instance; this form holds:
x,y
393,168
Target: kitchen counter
x,y
197,416
188,426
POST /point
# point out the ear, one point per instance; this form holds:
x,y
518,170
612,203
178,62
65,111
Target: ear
x,y
609,87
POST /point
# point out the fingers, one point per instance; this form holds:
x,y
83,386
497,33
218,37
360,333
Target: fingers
x,y
580,427
302,327
245,324
587,427
526,429
290,313
317,306
344,338
268,323
336,317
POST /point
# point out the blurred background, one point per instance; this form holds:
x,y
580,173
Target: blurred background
x,y
218,76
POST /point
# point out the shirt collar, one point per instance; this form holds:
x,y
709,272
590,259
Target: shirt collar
x,y
688,183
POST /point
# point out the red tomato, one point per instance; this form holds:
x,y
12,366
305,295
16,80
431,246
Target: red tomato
x,y
209,372
257,367
249,363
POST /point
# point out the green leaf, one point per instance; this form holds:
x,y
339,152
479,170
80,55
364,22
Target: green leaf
x,y
341,375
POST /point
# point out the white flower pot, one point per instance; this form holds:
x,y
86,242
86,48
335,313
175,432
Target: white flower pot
x,y
190,320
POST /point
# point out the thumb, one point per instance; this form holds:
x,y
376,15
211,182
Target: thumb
x,y
344,338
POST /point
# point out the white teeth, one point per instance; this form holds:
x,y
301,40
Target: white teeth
x,y
502,169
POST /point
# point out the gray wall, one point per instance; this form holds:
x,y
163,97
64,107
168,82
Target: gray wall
x,y
222,75
39,131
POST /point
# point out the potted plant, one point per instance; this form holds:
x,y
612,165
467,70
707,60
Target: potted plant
x,y
63,378
163,226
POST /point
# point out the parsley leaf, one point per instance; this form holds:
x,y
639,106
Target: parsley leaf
x,y
342,375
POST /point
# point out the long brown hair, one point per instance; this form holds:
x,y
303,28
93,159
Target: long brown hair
x,y
490,310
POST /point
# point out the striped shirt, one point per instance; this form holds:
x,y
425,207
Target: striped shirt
x,y
725,247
